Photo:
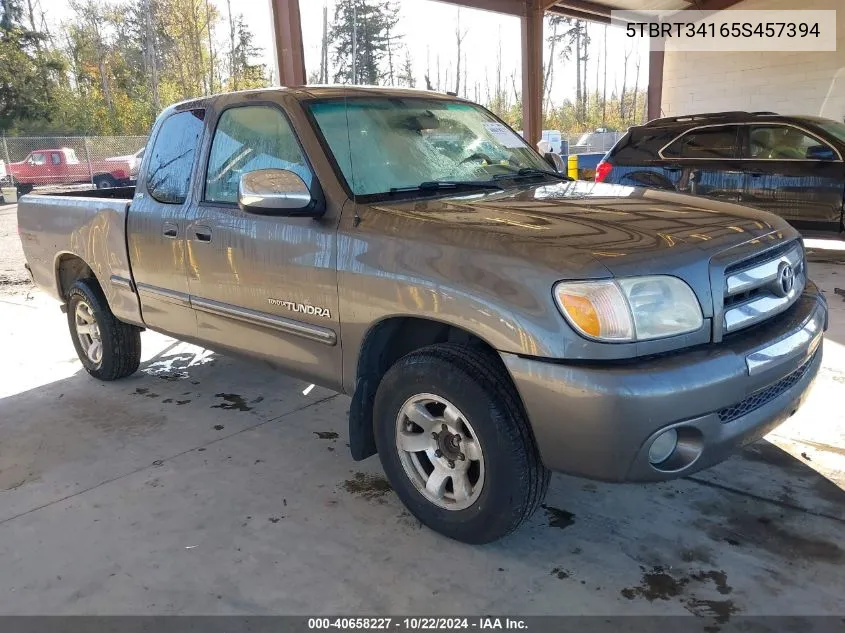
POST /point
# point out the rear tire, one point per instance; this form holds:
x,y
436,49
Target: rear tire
x,y
109,349
104,182
471,469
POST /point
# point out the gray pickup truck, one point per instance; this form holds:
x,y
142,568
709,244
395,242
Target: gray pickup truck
x,y
492,320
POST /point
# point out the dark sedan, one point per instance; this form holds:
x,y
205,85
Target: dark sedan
x,y
789,165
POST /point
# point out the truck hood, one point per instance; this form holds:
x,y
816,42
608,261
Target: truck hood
x,y
593,229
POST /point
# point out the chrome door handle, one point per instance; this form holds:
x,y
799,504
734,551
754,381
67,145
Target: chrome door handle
x,y
202,233
170,230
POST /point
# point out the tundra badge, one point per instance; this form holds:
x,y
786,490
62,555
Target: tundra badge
x,y
302,308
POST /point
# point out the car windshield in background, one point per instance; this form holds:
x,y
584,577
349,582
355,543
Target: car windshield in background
x,y
392,144
834,128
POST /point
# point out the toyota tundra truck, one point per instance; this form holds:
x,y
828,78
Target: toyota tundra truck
x,y
491,320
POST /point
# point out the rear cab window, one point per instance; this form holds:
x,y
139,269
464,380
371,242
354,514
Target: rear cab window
x,y
172,155
714,142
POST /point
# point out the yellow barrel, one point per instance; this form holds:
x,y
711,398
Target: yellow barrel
x,y
572,166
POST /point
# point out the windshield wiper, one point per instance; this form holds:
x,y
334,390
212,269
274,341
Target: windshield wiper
x,y
440,185
530,172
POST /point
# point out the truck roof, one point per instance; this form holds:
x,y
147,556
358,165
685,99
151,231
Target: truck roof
x,y
320,92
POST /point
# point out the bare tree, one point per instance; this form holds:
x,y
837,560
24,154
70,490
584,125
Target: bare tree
x,y
427,75
459,39
151,55
212,61
324,50
233,75
636,90
548,75
604,88
622,112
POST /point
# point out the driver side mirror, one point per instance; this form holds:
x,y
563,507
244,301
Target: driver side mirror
x,y
820,152
556,162
277,192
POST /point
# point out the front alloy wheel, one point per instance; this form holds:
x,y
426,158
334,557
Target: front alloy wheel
x,y
455,442
440,451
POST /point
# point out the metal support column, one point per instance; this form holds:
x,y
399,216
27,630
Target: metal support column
x,y
287,29
532,71
655,82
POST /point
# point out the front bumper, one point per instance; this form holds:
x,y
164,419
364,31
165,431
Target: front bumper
x,y
598,419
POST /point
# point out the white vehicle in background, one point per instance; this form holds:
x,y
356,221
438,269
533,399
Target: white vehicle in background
x,y
600,140
133,160
554,138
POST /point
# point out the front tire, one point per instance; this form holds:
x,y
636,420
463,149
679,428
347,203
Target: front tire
x,y
456,445
109,349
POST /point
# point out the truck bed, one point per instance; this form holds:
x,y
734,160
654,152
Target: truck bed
x,y
69,230
114,193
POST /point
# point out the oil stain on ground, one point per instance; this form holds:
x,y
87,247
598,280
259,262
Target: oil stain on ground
x,y
232,402
771,534
558,518
367,486
658,584
326,435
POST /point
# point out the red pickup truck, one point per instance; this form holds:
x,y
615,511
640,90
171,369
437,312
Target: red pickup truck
x,y
62,167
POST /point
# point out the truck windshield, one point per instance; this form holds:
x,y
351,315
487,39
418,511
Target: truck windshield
x,y
388,144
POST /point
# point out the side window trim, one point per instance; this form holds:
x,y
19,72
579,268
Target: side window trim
x,y
736,149
153,142
745,155
744,134
203,176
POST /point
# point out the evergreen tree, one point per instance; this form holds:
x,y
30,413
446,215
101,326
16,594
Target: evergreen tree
x,y
27,71
367,27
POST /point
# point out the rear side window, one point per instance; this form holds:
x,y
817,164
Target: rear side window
x,y
710,142
55,158
172,156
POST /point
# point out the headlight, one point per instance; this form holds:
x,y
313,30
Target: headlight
x,y
632,309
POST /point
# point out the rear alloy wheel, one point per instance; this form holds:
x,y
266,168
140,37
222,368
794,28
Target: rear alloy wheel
x,y
439,451
107,347
88,333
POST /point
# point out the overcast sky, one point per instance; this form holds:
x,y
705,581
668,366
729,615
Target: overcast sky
x,y
428,28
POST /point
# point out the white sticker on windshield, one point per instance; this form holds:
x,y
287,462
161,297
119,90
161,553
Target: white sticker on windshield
x,y
503,135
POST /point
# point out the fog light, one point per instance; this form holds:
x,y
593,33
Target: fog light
x,y
663,446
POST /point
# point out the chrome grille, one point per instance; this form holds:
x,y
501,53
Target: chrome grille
x,y
765,395
756,290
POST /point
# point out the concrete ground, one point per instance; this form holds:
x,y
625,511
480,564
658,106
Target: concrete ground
x,y
206,485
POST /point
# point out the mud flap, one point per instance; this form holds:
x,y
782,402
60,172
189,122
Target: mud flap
x,y
362,440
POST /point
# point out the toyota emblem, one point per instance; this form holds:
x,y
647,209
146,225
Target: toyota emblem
x,y
786,279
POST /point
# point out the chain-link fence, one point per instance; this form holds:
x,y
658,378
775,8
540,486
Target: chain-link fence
x,y
55,161
590,142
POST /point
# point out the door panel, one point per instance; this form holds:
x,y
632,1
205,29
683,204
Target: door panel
x,y
156,225
263,284
704,162
780,179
